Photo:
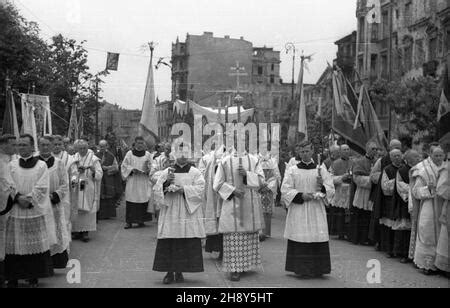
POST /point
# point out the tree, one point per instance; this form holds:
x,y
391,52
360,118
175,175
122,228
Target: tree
x,y
414,101
58,69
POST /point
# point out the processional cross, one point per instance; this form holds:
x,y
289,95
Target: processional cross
x,y
238,71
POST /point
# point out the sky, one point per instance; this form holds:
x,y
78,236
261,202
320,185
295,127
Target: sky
x,y
127,26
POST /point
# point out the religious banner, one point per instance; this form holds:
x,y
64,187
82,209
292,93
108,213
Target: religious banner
x,y
10,125
112,62
36,115
73,125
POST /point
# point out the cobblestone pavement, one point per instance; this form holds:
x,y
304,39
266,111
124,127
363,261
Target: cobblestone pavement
x,y
124,258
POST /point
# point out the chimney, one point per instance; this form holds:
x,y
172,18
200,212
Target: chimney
x,y
210,34
242,38
227,36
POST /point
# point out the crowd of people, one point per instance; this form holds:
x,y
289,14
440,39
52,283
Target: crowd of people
x,y
397,202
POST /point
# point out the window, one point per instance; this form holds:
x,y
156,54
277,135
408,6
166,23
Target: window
x,y
420,53
433,49
276,101
385,21
408,54
272,79
273,67
408,13
384,66
260,70
374,66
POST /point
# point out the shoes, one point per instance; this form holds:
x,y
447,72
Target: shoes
x,y
33,283
142,225
85,238
405,261
179,278
262,238
169,279
128,226
235,277
76,236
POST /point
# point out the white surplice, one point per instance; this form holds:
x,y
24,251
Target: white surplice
x,y
181,215
138,189
306,223
7,189
34,183
86,202
59,184
239,215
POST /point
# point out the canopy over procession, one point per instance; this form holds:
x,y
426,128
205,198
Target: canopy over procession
x,y
264,178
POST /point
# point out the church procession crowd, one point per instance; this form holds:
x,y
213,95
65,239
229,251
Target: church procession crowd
x,y
395,200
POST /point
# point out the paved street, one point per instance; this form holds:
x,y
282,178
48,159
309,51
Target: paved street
x,y
124,258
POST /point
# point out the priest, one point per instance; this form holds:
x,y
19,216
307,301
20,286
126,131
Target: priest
x,y
86,177
237,182
180,192
269,191
6,191
376,193
400,214
136,169
213,203
27,234
387,205
443,192
428,225
305,189
110,190
58,193
341,171
361,208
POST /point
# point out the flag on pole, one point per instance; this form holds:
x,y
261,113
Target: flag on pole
x,y
344,115
73,125
112,61
149,125
444,106
302,123
10,125
369,121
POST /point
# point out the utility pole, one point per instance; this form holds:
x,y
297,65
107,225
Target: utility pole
x,y
97,135
391,26
291,47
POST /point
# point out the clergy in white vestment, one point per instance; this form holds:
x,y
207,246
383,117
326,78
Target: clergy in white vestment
x,y
28,226
212,202
342,178
60,153
6,192
429,212
85,178
443,192
180,193
237,182
305,189
58,192
136,169
269,191
161,162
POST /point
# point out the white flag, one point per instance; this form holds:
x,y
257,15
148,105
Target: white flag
x,y
149,125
